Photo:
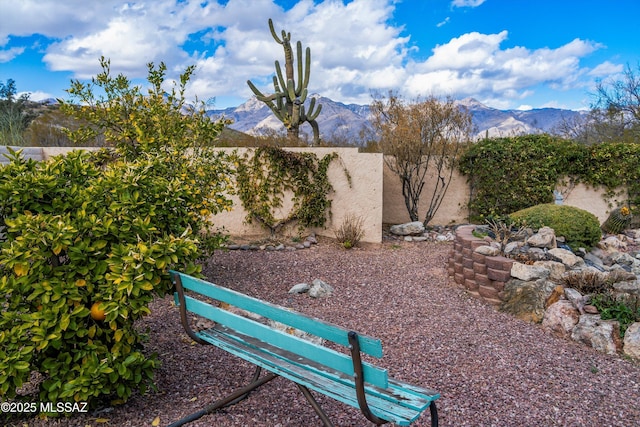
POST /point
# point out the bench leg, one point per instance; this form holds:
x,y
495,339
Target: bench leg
x,y
231,399
434,414
315,405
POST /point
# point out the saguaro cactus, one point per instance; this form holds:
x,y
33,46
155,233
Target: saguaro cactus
x,y
287,101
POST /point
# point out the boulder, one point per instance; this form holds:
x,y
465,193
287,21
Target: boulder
x,y
528,272
544,238
320,289
568,258
575,298
602,335
561,318
300,288
488,250
407,229
527,300
632,341
556,269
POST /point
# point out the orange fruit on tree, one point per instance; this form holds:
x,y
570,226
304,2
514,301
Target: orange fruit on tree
x,y
97,312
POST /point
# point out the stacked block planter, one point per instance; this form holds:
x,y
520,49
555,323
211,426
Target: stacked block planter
x,y
483,276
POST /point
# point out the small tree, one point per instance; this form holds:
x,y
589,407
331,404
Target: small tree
x,y
614,114
423,137
14,114
98,232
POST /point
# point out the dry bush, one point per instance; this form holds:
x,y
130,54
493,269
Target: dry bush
x,y
350,231
587,282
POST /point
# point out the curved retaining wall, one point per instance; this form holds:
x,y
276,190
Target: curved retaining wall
x,y
483,276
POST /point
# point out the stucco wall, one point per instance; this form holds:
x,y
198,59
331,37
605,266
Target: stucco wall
x,y
375,194
362,196
453,209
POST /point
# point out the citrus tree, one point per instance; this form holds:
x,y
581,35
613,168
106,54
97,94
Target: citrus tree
x,y
86,241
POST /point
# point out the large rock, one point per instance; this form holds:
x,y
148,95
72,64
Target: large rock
x,y
632,341
488,250
528,272
407,229
556,269
544,238
527,300
568,258
602,335
320,289
561,318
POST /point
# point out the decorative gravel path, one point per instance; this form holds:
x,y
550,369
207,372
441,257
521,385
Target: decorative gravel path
x,y
491,369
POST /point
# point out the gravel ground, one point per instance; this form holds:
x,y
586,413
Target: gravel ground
x,y
490,368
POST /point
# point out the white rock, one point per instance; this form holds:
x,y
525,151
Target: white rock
x,y
415,227
568,258
488,250
632,341
544,238
528,272
602,335
320,289
300,288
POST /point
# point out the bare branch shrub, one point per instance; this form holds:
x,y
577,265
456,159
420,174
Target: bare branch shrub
x,y
350,231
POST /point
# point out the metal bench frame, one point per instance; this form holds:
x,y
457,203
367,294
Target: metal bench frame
x,y
257,380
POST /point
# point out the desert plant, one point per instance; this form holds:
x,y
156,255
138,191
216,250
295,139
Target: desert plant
x,y
587,282
287,101
351,231
625,312
504,230
619,219
422,141
581,229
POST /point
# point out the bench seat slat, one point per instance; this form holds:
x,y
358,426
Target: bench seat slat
x,y
394,403
323,355
369,345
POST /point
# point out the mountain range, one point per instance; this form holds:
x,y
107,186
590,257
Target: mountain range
x,y
348,121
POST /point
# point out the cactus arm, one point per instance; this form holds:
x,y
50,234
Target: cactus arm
x,y
312,115
283,82
273,32
299,58
307,63
259,95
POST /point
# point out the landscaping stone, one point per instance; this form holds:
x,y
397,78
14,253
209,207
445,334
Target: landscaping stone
x,y
602,335
526,299
409,228
544,238
556,269
632,341
300,288
488,250
320,289
528,272
568,258
561,318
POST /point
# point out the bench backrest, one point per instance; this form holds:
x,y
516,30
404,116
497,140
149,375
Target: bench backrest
x,y
319,353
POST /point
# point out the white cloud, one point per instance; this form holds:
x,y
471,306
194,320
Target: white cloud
x,y
355,48
444,22
466,3
475,64
7,55
606,69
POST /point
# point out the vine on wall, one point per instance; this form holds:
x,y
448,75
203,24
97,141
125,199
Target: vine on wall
x,y
265,175
510,174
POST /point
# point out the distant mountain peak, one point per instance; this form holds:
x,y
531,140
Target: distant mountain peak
x,y
347,121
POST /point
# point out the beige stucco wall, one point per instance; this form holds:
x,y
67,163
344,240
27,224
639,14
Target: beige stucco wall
x,y
453,209
375,194
361,197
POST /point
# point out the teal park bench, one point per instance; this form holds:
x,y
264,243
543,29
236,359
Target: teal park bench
x,y
309,364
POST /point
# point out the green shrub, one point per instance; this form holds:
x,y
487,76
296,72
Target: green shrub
x,y
87,228
579,227
509,174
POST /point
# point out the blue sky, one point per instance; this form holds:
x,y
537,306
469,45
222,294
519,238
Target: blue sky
x,y
504,53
